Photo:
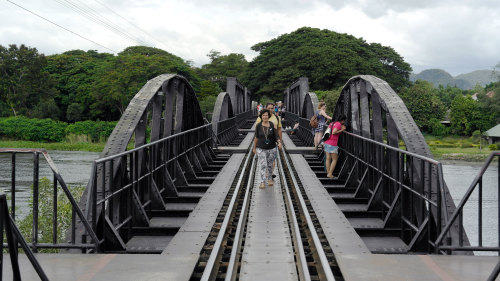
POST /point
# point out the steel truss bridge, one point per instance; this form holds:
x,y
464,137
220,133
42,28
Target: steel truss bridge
x,y
181,194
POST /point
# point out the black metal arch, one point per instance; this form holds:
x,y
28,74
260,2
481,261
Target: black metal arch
x,y
299,100
372,106
168,102
240,96
375,111
223,110
165,106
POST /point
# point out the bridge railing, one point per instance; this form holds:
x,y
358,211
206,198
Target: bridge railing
x,y
305,131
127,187
227,129
76,212
446,243
15,238
406,188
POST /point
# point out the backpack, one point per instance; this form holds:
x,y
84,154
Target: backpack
x,y
314,121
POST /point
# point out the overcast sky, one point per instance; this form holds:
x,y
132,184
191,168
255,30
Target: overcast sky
x,y
458,36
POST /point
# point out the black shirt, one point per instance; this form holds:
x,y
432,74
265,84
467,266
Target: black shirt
x,y
260,134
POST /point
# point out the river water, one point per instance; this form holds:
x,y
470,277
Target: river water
x,y
75,167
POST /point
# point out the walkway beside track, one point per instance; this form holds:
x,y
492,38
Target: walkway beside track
x,y
268,252
268,240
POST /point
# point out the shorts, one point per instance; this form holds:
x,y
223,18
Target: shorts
x,y
331,148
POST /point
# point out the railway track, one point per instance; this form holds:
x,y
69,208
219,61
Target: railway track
x,y
273,231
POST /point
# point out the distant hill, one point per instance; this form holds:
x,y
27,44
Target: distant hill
x,y
463,81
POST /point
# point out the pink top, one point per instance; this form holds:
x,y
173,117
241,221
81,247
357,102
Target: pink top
x,y
334,139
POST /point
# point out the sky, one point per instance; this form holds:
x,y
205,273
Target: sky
x,y
458,36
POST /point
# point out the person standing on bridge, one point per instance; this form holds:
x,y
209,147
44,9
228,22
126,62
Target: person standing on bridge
x,y
331,145
276,120
322,117
265,140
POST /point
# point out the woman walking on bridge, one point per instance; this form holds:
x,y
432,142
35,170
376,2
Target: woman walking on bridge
x,y
266,138
322,117
331,145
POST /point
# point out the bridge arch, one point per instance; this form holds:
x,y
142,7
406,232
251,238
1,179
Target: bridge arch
x,y
240,95
372,107
375,111
223,110
168,102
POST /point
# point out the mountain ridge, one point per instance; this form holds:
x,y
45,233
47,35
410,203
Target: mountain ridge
x,y
465,81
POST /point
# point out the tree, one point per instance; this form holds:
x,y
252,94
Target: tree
x,y
422,102
123,76
465,115
23,81
447,94
490,105
327,58
208,88
76,73
223,66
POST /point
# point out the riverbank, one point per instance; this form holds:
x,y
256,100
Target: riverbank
x,y
65,146
460,154
470,154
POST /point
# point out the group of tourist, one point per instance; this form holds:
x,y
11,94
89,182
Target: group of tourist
x,y
268,136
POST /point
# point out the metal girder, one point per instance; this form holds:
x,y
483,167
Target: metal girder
x,y
240,95
165,105
372,107
297,97
223,110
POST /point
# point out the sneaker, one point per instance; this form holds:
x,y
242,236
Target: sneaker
x,y
262,186
270,182
274,176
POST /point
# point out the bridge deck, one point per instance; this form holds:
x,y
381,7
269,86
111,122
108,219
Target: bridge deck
x,y
181,255
268,244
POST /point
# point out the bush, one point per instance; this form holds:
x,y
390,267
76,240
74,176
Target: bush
x,y
48,130
493,146
32,129
45,218
437,128
96,130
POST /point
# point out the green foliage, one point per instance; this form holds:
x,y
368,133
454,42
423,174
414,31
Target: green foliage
x,y
207,104
76,73
23,128
23,81
476,135
330,98
123,76
32,129
493,146
422,102
97,130
74,112
437,129
46,109
208,88
327,58
489,105
447,94
223,66
466,116
45,218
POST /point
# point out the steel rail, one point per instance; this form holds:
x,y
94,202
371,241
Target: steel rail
x,y
238,237
317,243
301,259
209,273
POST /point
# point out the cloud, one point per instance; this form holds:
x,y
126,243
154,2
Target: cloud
x,y
458,36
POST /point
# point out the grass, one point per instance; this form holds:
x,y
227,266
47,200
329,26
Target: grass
x,y
457,148
83,146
